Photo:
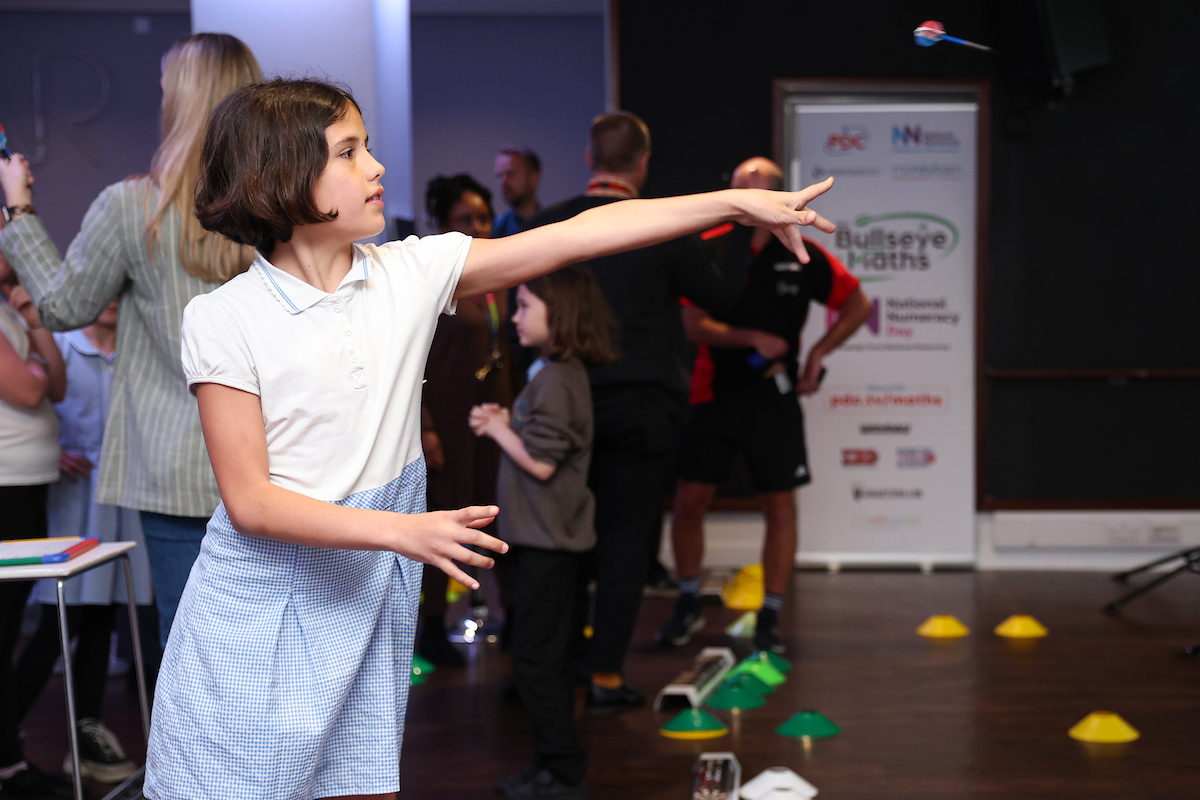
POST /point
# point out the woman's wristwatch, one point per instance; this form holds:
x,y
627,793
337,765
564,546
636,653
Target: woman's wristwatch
x,y
12,212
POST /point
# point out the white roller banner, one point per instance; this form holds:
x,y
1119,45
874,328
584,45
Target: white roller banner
x,y
891,434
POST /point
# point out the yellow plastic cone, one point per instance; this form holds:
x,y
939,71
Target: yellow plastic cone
x,y
1021,626
1103,727
943,626
744,591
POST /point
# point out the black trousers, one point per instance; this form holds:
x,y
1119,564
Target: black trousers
x,y
635,438
92,626
545,583
22,516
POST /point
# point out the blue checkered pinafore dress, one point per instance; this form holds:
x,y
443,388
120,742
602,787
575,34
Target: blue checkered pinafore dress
x,y
287,672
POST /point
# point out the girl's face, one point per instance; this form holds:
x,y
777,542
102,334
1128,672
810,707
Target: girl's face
x,y
470,215
350,183
532,319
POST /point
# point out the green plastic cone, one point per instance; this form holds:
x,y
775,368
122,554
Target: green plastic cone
x,y
736,696
749,682
417,679
761,670
422,665
774,659
694,723
808,723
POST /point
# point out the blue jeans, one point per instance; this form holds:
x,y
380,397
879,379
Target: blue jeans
x,y
172,543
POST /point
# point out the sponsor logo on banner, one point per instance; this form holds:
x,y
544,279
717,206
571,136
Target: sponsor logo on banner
x,y
859,457
927,172
887,397
894,428
917,139
902,315
914,457
860,493
832,315
849,139
880,246
820,172
888,522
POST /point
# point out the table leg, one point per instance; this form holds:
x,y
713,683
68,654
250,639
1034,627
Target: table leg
x,y
69,683
143,699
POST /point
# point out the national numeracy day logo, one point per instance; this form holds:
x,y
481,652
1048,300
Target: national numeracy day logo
x,y
879,246
915,139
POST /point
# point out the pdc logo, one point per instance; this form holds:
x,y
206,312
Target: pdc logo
x,y
848,140
859,457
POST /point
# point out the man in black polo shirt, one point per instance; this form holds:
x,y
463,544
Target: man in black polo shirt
x,y
744,400
639,400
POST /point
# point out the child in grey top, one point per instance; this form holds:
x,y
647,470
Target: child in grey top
x,y
549,511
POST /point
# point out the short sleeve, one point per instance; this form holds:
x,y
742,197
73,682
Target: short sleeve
x,y
439,260
548,435
214,349
835,283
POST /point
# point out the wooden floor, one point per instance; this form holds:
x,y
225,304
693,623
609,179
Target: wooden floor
x,y
969,718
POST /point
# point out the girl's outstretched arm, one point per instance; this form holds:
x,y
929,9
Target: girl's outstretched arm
x,y
615,227
237,445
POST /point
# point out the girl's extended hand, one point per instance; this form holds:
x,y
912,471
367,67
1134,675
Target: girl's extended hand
x,y
783,213
438,538
16,180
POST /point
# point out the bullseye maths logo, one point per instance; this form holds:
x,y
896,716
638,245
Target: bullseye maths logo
x,y
880,246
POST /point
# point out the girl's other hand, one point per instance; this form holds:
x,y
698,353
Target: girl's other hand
x,y
439,538
16,180
482,417
74,466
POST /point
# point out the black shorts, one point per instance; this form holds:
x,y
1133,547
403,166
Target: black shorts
x,y
765,426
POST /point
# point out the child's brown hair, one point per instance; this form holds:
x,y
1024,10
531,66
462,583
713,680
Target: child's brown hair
x,y
579,319
263,152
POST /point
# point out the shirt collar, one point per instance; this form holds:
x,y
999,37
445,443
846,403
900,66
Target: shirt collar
x,y
610,187
534,369
296,295
83,345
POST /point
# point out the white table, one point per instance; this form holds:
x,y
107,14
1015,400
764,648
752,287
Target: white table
x,y
100,554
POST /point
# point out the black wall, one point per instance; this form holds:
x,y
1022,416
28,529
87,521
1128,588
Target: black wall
x,y
1091,263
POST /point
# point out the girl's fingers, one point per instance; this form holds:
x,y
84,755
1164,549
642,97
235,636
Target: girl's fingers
x,y
452,569
490,543
476,516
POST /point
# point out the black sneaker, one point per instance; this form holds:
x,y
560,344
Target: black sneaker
x,y
101,757
686,619
33,784
510,782
544,784
612,701
766,631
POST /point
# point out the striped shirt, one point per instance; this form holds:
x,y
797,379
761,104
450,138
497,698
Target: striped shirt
x,y
153,457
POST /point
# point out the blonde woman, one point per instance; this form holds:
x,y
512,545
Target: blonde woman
x,y
141,244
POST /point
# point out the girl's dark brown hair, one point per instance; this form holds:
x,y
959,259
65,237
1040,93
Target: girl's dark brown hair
x,y
578,317
263,151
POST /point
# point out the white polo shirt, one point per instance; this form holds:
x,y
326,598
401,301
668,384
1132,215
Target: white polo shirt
x,y
339,375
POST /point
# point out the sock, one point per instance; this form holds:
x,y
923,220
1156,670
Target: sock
x,y
689,586
607,680
774,602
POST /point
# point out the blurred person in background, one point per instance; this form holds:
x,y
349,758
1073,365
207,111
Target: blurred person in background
x,y
141,245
